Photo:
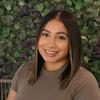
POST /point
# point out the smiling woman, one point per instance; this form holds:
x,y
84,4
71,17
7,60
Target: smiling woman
x,y
54,44
56,68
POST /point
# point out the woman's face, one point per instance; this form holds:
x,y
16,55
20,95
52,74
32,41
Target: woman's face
x,y
53,43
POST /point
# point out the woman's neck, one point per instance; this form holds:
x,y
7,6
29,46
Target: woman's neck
x,y
54,66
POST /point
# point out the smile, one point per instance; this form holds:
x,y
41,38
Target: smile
x,y
51,53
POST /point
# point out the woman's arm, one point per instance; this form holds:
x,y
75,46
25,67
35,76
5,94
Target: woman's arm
x,y
11,95
14,85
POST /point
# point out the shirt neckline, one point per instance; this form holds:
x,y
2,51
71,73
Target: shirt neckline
x,y
55,73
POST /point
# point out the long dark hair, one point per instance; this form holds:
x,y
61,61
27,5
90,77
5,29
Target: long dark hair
x,y
71,26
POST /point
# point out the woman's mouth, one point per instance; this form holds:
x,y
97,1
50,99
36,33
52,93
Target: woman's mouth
x,y
51,53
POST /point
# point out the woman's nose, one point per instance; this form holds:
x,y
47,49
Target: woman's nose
x,y
52,43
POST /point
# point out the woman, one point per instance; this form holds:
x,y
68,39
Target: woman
x,y
55,73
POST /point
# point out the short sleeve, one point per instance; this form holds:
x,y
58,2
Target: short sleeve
x,y
87,89
14,83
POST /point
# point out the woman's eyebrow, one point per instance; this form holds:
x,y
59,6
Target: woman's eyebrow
x,y
46,30
65,33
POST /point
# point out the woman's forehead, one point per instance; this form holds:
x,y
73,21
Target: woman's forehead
x,y
55,26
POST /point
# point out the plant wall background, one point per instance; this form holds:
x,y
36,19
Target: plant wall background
x,y
19,20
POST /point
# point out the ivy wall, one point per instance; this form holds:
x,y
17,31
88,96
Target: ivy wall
x,y
19,20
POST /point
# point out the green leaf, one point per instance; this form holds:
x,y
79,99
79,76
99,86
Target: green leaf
x,y
86,59
12,35
96,12
0,26
69,2
46,4
84,38
22,35
40,7
59,6
30,58
51,2
1,11
21,3
17,41
88,2
8,7
8,4
17,25
5,30
7,19
9,44
16,54
58,0
78,5
33,47
2,54
85,29
95,69
45,12
3,19
12,59
1,61
97,3
37,20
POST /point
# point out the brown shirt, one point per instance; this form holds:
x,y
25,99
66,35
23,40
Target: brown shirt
x,y
82,87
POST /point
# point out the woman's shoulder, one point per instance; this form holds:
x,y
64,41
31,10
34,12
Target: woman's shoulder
x,y
84,85
84,77
84,73
21,75
25,68
26,65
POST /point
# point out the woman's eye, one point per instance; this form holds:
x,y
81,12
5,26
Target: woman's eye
x,y
62,37
44,34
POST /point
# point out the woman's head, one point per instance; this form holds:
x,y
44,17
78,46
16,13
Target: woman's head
x,y
53,44
67,25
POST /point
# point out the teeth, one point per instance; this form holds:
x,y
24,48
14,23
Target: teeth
x,y
50,51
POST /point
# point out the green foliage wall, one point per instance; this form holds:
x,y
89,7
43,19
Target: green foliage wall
x,y
19,20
